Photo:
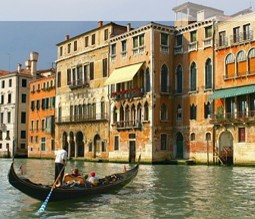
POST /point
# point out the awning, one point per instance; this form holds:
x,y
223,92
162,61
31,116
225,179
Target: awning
x,y
232,92
123,74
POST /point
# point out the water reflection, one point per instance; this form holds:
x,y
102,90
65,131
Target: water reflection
x,y
159,191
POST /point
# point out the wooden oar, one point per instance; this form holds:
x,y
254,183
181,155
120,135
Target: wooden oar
x,y
44,204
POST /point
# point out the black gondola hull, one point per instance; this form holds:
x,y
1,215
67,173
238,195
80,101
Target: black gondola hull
x,y
40,192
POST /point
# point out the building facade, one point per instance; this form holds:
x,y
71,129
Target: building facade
x,y
140,86
41,113
82,106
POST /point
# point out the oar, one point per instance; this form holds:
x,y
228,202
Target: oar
x,y
44,204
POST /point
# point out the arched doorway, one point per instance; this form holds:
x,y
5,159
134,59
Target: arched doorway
x,y
226,147
71,141
80,144
179,146
96,145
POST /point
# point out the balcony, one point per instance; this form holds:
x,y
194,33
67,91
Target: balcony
x,y
241,37
235,118
78,84
127,94
82,118
208,42
192,46
178,49
132,124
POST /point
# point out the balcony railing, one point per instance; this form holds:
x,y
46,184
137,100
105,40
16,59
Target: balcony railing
x,y
231,118
83,118
78,84
192,46
241,37
132,124
127,94
178,49
208,42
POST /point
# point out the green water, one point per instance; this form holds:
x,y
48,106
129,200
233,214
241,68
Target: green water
x,y
159,191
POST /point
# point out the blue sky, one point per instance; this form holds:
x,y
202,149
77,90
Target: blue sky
x,y
30,25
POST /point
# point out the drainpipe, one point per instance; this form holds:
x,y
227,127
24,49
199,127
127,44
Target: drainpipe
x,y
213,61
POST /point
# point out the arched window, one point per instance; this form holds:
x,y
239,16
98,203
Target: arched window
x,y
164,78
179,112
163,112
230,65
208,136
207,110
148,81
115,114
127,114
146,112
208,74
251,61
179,79
193,77
241,63
133,114
193,112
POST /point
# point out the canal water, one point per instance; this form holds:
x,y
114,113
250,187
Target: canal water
x,y
158,191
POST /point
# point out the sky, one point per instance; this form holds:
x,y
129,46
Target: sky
x,y
30,25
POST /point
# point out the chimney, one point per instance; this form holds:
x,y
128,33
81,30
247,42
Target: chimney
x,y
33,59
28,64
19,68
100,23
67,37
128,27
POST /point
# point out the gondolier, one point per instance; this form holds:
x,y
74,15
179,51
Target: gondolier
x,y
60,161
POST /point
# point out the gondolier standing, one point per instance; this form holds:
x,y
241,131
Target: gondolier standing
x,y
60,161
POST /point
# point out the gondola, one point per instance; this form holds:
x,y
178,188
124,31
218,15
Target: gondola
x,y
38,191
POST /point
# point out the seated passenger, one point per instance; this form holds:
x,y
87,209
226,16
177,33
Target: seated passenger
x,y
75,172
93,179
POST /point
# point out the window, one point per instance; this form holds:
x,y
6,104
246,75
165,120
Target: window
x,y
2,99
24,83
208,74
22,146
86,41
208,136
241,134
163,112
179,40
1,135
91,71
208,32
68,76
7,135
60,50
8,117
123,48
222,38
146,112
163,142
43,124
32,126
251,61
93,39
3,84
236,35
179,112
241,63
23,98
23,134
207,110
113,50
147,80
230,65
9,98
193,112
59,79
138,44
193,77
179,79
43,143
10,82
23,117
247,32
69,47
164,42
164,78
105,67
52,145
106,34
193,36
103,146
116,143
75,45
115,114
37,125
193,137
